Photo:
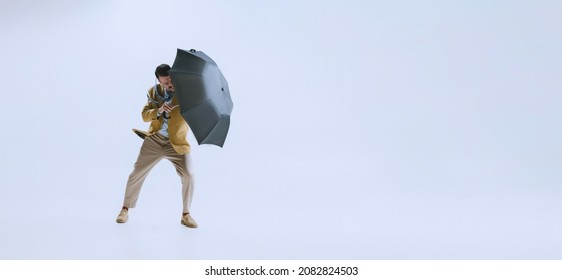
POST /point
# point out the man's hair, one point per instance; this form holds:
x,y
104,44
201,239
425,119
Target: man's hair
x,y
162,71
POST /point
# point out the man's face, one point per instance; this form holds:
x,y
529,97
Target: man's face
x,y
167,83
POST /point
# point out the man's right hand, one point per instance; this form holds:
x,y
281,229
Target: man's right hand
x,y
166,108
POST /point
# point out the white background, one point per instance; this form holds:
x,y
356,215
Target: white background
x,y
360,130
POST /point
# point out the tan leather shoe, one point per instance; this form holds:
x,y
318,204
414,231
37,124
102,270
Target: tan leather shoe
x,y
123,216
188,221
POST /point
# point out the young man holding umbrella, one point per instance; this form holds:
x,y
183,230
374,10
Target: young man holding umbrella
x,y
166,138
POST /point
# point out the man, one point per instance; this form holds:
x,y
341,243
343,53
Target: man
x,y
166,138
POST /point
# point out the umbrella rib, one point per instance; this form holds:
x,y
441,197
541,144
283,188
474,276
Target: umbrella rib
x,y
186,72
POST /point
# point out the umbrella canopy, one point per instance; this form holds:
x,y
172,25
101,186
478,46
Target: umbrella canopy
x,y
203,96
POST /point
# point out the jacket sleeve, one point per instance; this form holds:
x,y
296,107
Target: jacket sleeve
x,y
150,110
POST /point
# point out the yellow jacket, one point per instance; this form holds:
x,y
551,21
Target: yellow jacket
x,y
177,127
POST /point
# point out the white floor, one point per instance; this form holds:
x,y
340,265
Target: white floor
x,y
280,216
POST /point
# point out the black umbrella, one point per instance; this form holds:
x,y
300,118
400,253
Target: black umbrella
x,y
203,96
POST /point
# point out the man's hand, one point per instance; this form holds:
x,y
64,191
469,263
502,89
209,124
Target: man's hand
x,y
166,108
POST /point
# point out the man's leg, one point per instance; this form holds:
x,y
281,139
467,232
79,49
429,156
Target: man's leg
x,y
182,163
150,154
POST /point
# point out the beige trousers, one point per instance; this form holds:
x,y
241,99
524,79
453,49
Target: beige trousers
x,y
154,148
